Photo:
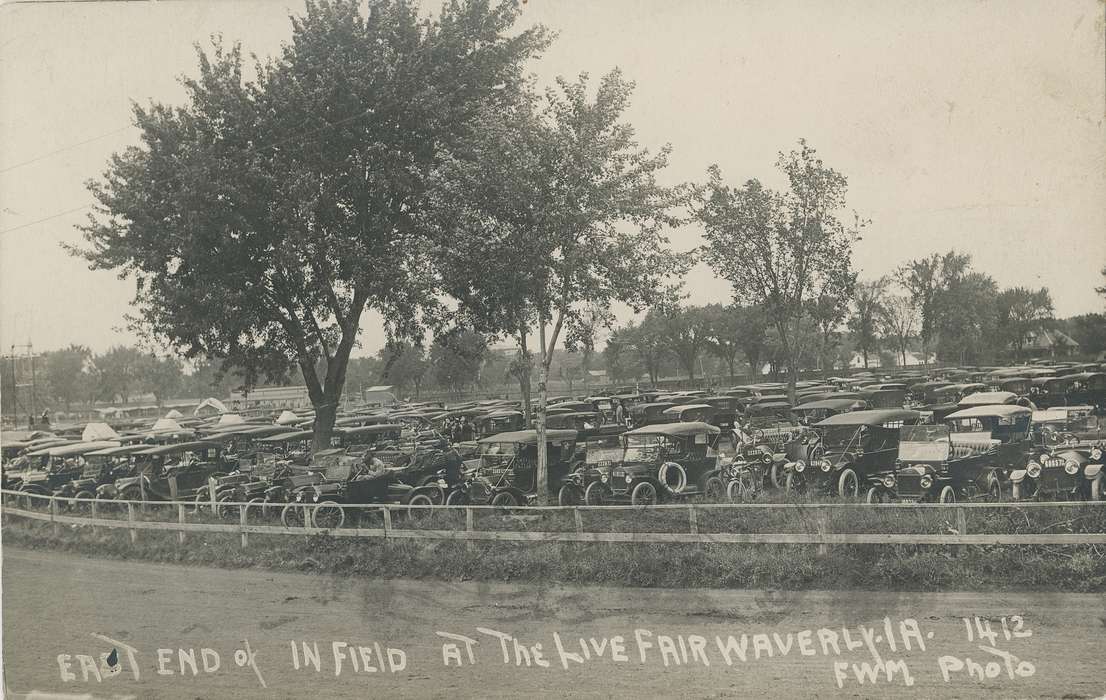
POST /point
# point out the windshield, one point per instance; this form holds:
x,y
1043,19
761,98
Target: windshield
x,y
924,442
649,448
840,435
602,452
968,425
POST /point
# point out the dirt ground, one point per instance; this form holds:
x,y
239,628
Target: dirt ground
x,y
615,642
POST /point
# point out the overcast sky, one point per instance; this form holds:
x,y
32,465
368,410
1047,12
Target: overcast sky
x,y
968,125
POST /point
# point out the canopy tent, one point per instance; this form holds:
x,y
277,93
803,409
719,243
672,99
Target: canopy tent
x,y
230,419
166,425
174,414
98,431
214,404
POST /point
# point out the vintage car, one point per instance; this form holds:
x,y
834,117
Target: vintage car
x,y
346,482
884,396
499,421
1015,385
1088,388
921,393
946,399
967,457
814,411
506,474
1069,473
589,479
294,447
1067,426
649,413
176,472
51,467
726,410
692,412
1047,392
849,449
104,466
664,462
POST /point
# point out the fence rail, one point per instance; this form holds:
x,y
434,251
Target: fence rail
x,y
388,515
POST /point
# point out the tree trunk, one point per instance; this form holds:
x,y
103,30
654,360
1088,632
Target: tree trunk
x,y
325,414
523,377
541,479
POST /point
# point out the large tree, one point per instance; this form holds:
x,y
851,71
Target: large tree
x,y
456,357
688,332
118,373
723,331
262,218
563,215
928,280
900,323
65,373
161,376
868,315
779,250
1022,312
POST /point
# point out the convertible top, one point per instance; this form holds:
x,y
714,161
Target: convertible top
x,y
988,398
74,449
1004,411
178,447
829,403
675,429
875,417
529,437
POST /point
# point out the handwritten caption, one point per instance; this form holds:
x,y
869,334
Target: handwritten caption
x,y
889,651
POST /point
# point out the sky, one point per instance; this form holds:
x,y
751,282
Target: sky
x,y
969,125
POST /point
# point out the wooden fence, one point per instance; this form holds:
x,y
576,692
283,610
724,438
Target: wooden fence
x,y
386,515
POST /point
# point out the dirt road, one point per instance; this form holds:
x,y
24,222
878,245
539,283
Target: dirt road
x,y
384,638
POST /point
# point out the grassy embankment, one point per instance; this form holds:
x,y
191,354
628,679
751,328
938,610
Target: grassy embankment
x,y
900,567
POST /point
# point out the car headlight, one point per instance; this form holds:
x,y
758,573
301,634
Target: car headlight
x,y
603,478
1033,469
1096,454
889,481
629,478
800,465
825,465
926,481
758,434
1071,467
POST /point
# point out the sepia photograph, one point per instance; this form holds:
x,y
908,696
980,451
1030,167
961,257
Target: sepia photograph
x,y
552,349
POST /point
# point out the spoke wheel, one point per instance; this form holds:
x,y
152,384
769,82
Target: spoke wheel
x,y
644,494
328,515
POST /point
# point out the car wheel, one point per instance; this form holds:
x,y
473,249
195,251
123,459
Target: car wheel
x,y
224,511
106,505
794,482
737,491
504,499
994,491
569,495
948,495
292,515
714,490
328,515
456,497
78,505
595,494
1096,488
874,495
419,513
776,475
258,508
130,493
644,494
201,501
848,485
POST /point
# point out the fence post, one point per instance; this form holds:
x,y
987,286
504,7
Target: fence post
x,y
95,529
693,518
130,519
962,521
579,520
387,521
242,523
180,519
211,493
823,548
54,514
469,544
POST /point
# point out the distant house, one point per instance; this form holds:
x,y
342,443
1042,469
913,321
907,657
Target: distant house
x,y
913,359
1045,343
379,395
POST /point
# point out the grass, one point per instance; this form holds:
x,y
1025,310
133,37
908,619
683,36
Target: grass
x,y
870,567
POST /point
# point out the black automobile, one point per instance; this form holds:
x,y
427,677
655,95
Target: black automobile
x,y
968,457
506,473
666,462
589,480
347,481
851,447
176,472
104,466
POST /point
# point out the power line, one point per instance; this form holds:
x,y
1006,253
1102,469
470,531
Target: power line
x,y
63,149
46,218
